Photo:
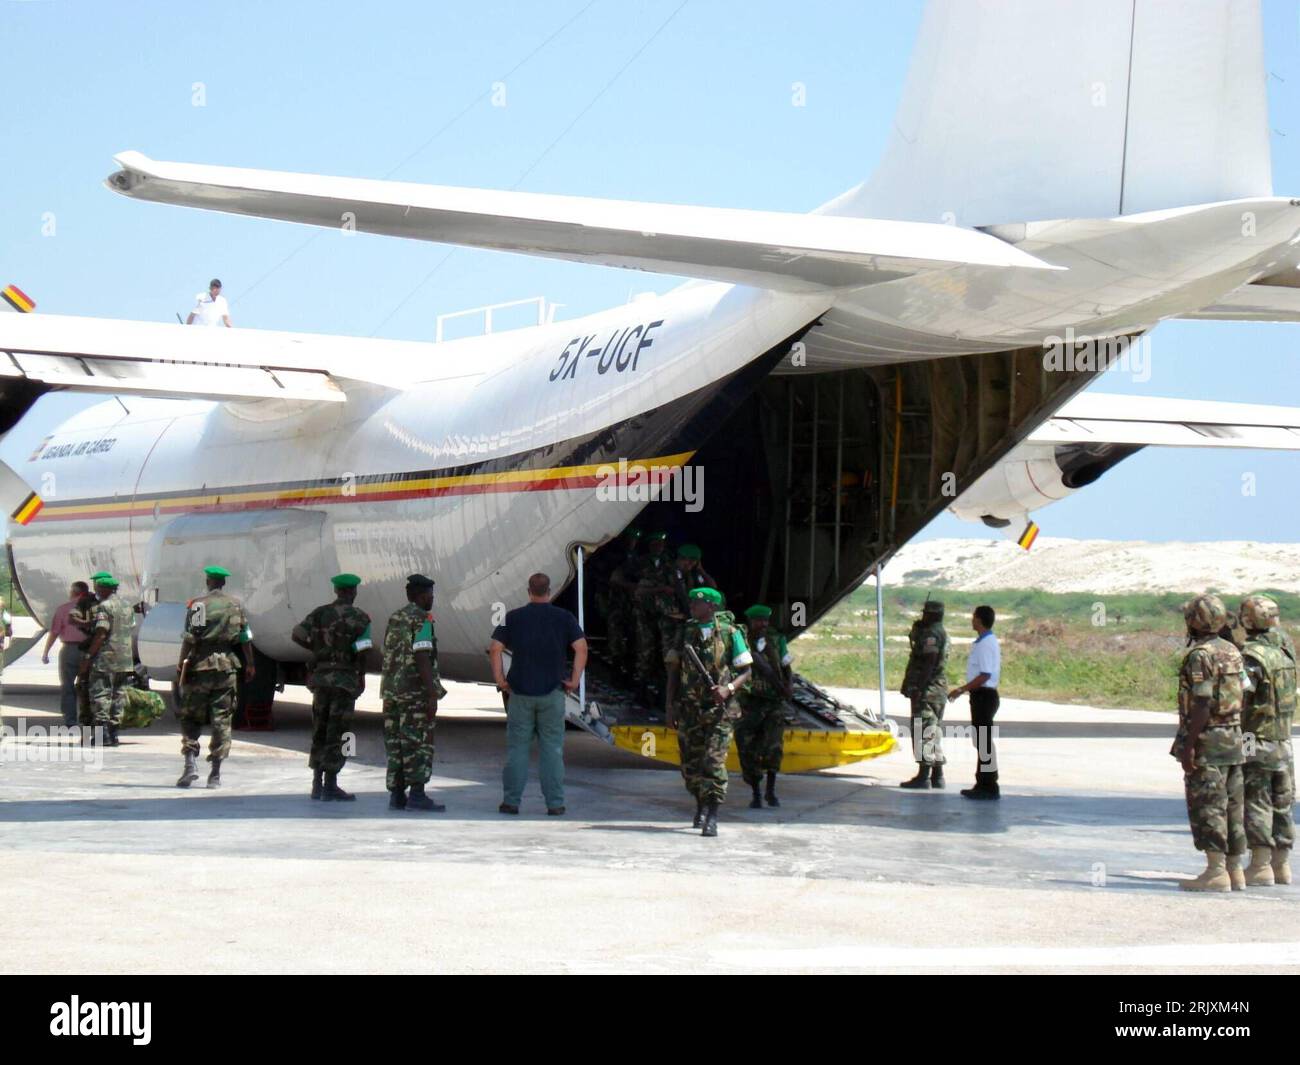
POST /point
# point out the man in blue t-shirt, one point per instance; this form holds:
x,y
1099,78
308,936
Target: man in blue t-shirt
x,y
538,637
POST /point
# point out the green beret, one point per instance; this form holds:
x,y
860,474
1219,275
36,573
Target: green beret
x,y
709,595
345,580
95,577
690,551
216,571
633,532
758,610
107,580
659,535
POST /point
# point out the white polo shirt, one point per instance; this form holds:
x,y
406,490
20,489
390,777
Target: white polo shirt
x,y
209,311
985,657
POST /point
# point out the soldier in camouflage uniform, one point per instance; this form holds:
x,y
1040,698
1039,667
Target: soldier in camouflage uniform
x,y
411,690
216,637
703,706
925,683
1268,710
108,668
1208,744
653,581
620,605
760,732
83,616
338,637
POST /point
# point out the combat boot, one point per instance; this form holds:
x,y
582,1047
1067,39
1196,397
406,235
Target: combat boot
x,y
921,780
772,800
397,798
190,773
1215,877
756,803
316,784
711,819
1235,876
936,776
110,739
699,811
1259,873
418,800
214,774
331,792
1281,865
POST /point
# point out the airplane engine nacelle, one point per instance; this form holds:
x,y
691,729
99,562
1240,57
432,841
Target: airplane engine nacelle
x,y
1033,476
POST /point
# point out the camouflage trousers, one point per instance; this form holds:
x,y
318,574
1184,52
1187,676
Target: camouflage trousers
x,y
208,697
620,630
703,739
650,648
927,728
105,696
408,741
331,714
760,737
1215,808
1270,795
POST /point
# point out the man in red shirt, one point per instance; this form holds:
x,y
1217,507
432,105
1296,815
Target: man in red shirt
x,y
63,627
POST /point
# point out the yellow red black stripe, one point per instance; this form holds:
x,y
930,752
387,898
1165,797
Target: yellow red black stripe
x,y
372,489
27,509
18,299
1028,537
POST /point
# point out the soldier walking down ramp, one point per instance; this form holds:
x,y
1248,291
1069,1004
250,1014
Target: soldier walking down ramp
x,y
925,683
1208,744
706,668
215,625
760,732
411,690
338,637
1268,710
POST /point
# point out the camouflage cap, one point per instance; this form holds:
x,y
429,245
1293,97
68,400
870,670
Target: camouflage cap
x,y
758,610
1205,613
708,595
690,551
933,607
1258,612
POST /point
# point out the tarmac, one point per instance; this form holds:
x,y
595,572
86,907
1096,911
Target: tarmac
x,y
110,868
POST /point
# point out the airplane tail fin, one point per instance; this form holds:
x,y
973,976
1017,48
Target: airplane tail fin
x,y
1019,110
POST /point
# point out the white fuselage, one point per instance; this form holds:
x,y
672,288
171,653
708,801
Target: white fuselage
x,y
479,476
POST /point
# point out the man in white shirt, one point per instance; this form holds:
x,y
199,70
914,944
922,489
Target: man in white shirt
x,y
210,308
983,671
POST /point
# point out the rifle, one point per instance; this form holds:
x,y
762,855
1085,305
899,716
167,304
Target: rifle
x,y
693,655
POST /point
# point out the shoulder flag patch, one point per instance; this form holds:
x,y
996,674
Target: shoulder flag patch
x,y
18,299
27,509
1028,537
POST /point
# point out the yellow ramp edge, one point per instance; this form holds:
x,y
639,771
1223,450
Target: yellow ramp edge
x,y
805,749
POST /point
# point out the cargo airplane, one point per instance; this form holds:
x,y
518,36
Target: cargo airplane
x,y
1081,167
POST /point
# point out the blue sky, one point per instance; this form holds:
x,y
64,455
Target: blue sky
x,y
635,99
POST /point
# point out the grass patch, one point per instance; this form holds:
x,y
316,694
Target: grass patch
x,y
1071,647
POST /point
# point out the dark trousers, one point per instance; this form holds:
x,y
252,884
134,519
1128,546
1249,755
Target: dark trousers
x,y
983,707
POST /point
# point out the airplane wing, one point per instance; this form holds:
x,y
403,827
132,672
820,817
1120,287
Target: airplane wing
x,y
766,249
1094,432
159,359
1096,418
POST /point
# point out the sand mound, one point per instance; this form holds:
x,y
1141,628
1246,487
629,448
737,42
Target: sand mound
x,y
1061,565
